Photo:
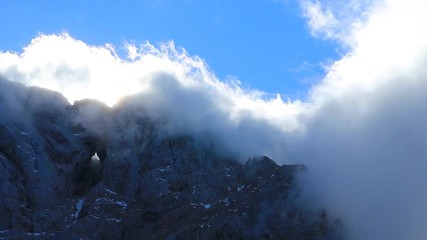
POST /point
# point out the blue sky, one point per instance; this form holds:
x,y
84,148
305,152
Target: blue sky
x,y
265,44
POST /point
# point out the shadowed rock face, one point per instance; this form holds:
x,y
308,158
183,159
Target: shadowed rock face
x,y
146,184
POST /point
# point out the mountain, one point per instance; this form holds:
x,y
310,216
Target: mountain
x,y
88,171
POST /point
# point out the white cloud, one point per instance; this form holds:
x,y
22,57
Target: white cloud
x,y
361,131
366,140
171,82
320,21
332,19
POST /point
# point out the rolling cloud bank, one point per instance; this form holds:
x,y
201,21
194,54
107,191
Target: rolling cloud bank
x,y
362,130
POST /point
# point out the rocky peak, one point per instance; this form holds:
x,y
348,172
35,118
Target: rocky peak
x,y
145,183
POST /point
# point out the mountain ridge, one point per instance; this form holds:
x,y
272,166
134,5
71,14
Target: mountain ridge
x,y
147,184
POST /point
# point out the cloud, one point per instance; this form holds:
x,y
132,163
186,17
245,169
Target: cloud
x,y
366,140
331,19
361,130
167,80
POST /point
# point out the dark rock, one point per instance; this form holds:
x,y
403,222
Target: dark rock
x,y
146,184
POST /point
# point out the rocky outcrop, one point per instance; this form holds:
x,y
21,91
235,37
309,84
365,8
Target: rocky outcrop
x,y
86,171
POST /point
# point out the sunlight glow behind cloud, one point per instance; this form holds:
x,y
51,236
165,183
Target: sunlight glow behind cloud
x,y
361,130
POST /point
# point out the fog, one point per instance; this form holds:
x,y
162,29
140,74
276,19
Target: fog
x,y
362,130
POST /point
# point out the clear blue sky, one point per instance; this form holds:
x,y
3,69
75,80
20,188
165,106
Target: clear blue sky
x,y
264,43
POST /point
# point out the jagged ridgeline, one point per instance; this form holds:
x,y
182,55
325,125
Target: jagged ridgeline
x,y
88,171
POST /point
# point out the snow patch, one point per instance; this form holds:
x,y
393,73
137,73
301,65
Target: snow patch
x,y
226,201
109,191
96,217
36,234
123,204
79,206
168,168
114,219
206,206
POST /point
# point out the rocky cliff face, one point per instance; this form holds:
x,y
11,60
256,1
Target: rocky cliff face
x,y
86,171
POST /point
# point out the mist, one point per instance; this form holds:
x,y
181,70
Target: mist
x,y
361,131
